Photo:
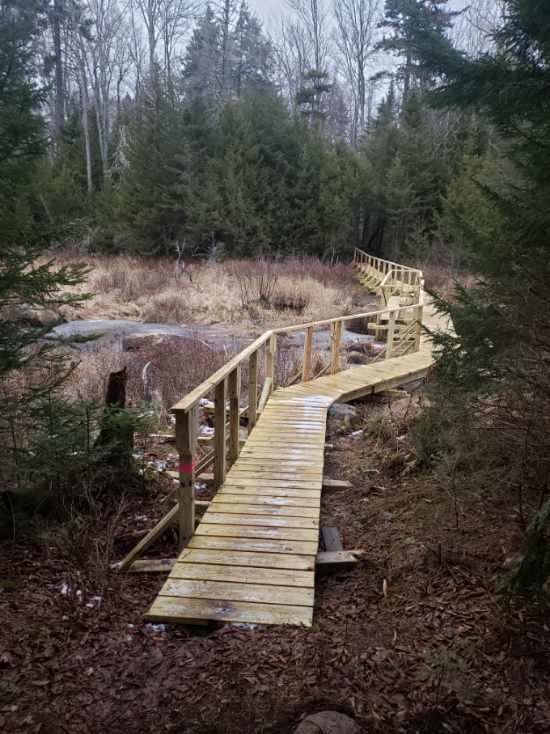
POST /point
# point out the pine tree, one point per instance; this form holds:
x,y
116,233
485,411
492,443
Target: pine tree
x,y
414,23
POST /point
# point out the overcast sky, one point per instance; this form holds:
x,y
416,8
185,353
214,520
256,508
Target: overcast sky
x,y
267,9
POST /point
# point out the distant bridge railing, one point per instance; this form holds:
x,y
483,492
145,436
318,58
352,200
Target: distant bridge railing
x,y
252,374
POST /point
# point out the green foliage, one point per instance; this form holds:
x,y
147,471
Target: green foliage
x,y
54,464
494,363
253,182
531,573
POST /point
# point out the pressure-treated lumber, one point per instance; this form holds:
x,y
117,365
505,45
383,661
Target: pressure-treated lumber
x,y
222,566
253,555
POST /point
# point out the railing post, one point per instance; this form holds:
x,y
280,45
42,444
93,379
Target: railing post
x,y
308,344
234,388
271,351
335,339
390,333
219,433
252,410
418,330
186,441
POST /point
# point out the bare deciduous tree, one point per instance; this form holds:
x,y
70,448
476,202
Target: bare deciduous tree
x,y
356,35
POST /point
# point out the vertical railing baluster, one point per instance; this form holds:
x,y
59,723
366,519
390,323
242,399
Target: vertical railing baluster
x,y
220,448
418,330
186,443
335,339
390,333
270,358
306,363
252,410
234,389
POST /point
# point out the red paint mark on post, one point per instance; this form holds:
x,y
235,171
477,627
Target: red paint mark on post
x,y
186,467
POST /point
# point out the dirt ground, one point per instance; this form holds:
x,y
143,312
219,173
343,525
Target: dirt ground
x,y
413,640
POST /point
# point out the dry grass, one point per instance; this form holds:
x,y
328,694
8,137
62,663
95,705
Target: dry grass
x,y
247,293
441,279
177,365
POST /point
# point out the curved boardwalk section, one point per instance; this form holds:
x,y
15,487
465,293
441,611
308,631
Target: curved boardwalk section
x,y
252,558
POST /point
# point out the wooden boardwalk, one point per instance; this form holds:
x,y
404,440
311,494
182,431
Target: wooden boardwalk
x,y
252,558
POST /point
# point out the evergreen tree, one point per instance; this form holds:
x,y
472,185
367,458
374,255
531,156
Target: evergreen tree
x,y
410,23
201,63
498,353
252,54
22,234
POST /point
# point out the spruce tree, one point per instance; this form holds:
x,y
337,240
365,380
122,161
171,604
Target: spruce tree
x,y
495,363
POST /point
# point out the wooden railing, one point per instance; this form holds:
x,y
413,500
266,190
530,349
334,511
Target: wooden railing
x,y
397,326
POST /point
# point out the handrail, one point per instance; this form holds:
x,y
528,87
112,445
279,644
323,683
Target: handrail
x,y
393,324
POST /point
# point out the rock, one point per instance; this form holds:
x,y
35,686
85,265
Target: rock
x,y
357,358
341,410
342,417
328,722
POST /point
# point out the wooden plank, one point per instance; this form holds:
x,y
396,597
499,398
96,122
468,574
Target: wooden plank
x,y
293,562
259,482
256,531
329,561
168,609
279,468
281,490
243,574
215,517
149,538
286,500
293,476
335,484
233,591
257,545
238,508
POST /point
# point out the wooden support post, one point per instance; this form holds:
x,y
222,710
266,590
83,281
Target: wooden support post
x,y
270,354
219,433
252,390
308,346
335,339
390,333
418,328
186,435
234,386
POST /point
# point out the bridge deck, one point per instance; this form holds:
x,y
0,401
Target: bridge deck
x,y
252,558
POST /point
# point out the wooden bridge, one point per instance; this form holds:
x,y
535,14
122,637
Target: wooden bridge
x,y
252,557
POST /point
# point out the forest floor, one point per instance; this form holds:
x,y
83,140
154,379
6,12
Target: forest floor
x,y
413,640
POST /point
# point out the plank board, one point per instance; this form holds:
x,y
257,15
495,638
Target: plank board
x,y
235,591
170,609
243,574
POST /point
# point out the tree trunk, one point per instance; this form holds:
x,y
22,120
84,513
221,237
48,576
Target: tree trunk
x,y
59,103
86,125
